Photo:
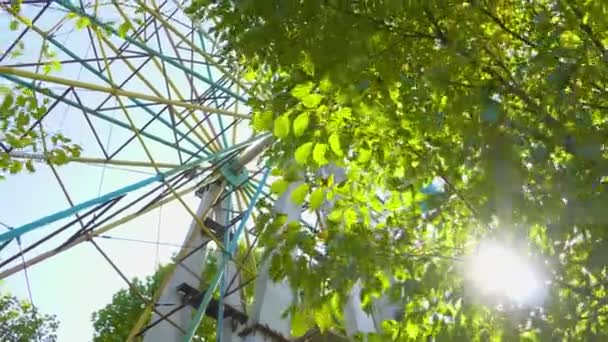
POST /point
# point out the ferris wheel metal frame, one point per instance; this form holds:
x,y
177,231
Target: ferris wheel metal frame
x,y
178,96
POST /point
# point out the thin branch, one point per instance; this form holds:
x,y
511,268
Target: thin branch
x,y
586,28
441,35
383,24
504,27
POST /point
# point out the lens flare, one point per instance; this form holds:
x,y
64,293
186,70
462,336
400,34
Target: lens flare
x,y
500,272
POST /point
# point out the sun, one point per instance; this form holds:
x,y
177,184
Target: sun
x,y
501,272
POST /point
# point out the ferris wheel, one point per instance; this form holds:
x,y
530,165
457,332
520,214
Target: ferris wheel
x,y
159,110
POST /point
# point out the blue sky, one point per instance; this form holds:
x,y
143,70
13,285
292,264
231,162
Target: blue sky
x,y
77,282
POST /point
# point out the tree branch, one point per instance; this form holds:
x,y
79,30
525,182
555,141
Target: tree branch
x,y
586,28
441,35
504,27
381,23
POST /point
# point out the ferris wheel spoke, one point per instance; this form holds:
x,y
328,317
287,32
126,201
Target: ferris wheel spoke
x,y
24,31
178,107
137,96
92,161
190,114
109,28
51,94
170,85
145,81
114,90
195,48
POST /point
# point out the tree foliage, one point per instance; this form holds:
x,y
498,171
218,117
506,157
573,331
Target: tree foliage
x,y
114,322
501,105
22,111
19,111
20,321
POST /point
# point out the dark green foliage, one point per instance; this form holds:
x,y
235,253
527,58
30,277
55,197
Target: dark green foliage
x,y
114,322
504,101
21,322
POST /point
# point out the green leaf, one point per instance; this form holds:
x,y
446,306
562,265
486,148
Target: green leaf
x,y
281,127
75,150
299,323
298,194
29,165
262,121
279,186
411,329
301,90
82,23
350,217
336,215
39,112
569,40
60,157
334,144
323,317
312,100
55,65
6,103
124,28
22,120
302,153
300,124
14,25
21,100
16,166
344,113
318,154
316,198
364,155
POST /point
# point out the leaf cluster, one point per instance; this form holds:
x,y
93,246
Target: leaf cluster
x,y
20,321
21,112
501,102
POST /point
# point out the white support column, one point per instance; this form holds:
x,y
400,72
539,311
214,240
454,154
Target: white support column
x,y
355,319
272,299
187,271
191,268
384,309
230,332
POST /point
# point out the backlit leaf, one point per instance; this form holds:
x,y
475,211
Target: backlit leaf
x,y
82,22
302,153
312,100
302,90
281,127
318,154
298,195
300,124
262,121
569,39
334,143
364,155
316,198
279,186
124,28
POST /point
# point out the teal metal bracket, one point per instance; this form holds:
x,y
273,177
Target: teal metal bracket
x,y
233,177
